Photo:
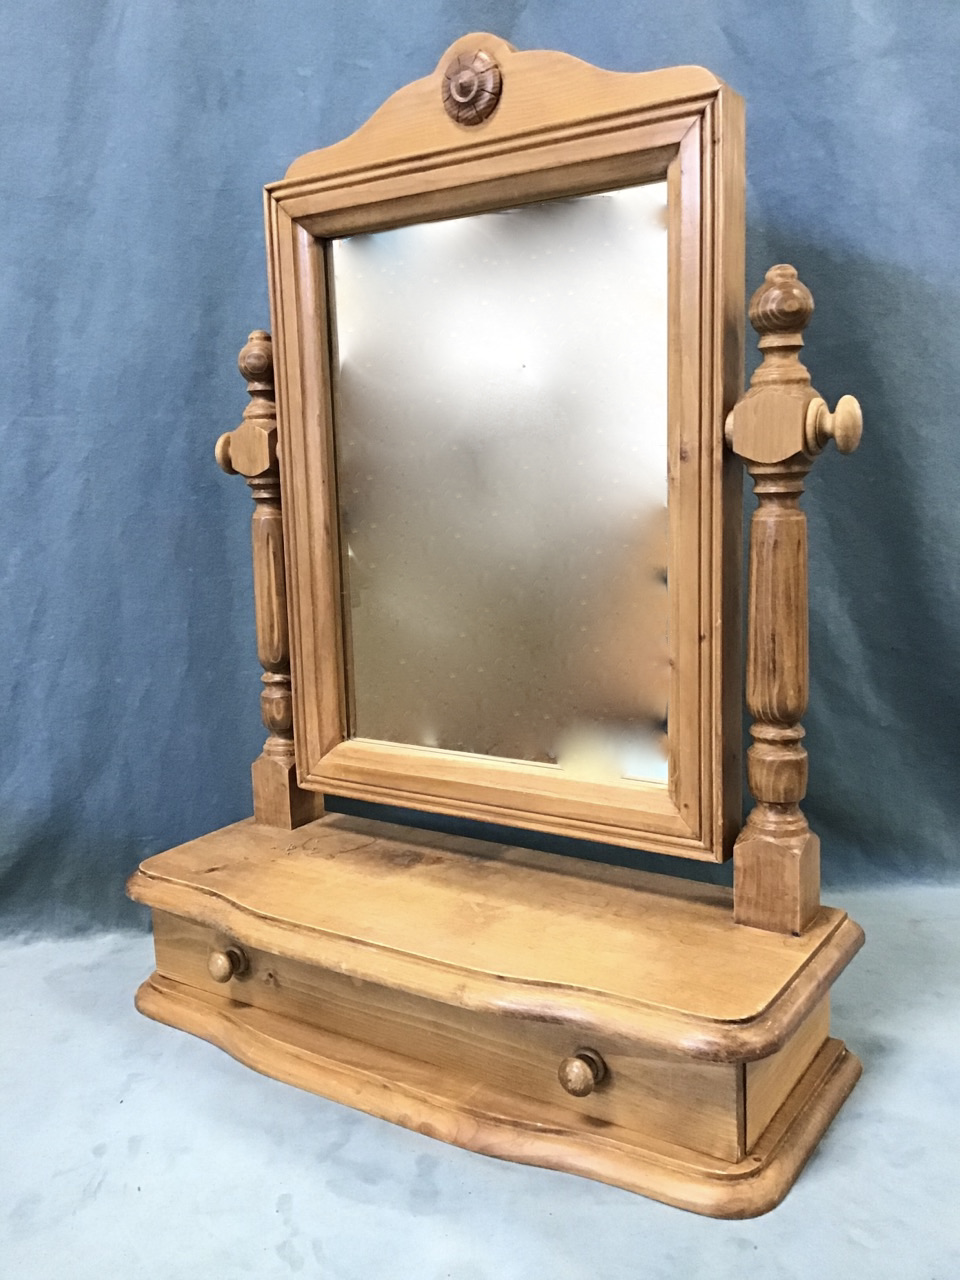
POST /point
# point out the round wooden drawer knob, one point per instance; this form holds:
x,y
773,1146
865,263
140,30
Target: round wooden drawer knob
x,y
226,964
582,1073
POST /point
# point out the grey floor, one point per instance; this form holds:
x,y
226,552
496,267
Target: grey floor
x,y
128,1149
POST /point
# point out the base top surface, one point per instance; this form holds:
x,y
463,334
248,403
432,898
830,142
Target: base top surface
x,y
515,931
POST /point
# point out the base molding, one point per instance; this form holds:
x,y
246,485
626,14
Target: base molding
x,y
418,1097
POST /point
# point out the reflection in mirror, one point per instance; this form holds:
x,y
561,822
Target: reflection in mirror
x,y
501,441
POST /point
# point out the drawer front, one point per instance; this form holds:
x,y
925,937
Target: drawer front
x,y
691,1104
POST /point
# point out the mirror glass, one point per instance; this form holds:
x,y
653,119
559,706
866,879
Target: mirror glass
x,y
501,444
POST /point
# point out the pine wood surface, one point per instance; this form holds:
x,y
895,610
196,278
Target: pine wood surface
x,y
508,931
460,987
561,128
456,1109
778,427
251,451
767,1081
693,1103
547,90
717,1108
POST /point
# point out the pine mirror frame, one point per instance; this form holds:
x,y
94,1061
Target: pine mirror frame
x,y
560,128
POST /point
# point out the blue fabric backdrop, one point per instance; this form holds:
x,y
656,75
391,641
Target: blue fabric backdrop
x,y
136,136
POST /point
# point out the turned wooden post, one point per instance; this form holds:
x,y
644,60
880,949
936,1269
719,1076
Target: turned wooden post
x,y
778,427
251,451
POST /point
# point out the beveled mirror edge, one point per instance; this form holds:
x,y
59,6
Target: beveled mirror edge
x,y
619,123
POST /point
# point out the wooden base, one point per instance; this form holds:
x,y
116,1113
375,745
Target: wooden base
x,y
413,1095
441,983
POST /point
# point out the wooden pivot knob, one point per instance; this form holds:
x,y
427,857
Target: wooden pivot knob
x,y
222,454
226,964
844,426
582,1073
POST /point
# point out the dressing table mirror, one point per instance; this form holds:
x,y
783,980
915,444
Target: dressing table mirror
x,y
495,449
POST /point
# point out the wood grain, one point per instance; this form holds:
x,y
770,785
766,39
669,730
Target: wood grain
x,y
548,92
590,130
767,1082
691,1103
777,856
507,931
458,1111
251,451
589,1018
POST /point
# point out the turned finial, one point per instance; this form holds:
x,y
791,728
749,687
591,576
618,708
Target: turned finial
x,y
781,416
782,306
780,310
251,449
255,360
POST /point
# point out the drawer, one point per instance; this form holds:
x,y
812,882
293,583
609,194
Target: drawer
x,y
698,1105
